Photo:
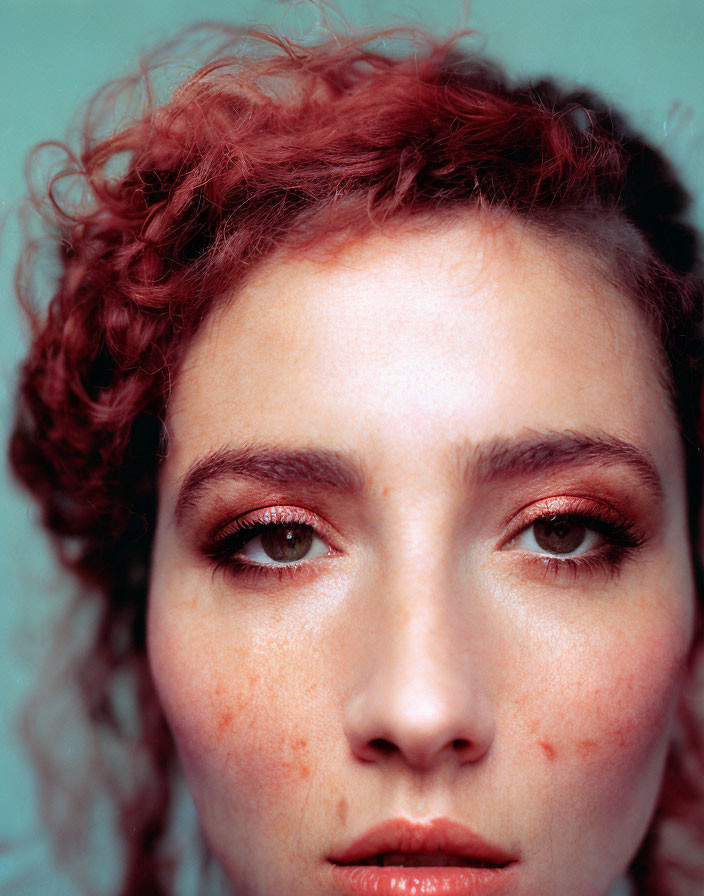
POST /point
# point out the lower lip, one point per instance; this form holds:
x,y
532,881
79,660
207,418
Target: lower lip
x,y
369,880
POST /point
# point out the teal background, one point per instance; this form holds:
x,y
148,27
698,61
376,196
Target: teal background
x,y
645,56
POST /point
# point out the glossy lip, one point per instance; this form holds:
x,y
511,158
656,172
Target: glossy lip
x,y
439,836
491,875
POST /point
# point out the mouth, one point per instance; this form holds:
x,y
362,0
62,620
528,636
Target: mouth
x,y
437,858
424,860
440,843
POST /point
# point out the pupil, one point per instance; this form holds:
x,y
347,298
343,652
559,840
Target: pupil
x,y
285,544
558,535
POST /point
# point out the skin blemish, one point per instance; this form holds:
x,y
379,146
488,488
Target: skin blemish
x,y
343,808
586,747
224,722
297,753
299,746
548,749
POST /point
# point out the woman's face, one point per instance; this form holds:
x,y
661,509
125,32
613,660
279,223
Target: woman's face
x,y
421,592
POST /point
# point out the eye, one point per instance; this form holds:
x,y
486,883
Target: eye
x,y
587,537
559,535
269,540
281,544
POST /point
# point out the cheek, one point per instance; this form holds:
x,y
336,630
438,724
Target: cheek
x,y
232,708
603,740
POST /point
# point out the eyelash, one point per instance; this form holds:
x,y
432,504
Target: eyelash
x,y
222,548
620,540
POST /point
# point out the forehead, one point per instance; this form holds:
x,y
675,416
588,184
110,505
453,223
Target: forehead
x,y
465,330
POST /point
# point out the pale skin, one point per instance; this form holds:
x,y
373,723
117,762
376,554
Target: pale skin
x,y
426,657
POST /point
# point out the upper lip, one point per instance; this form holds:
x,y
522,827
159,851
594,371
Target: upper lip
x,y
437,837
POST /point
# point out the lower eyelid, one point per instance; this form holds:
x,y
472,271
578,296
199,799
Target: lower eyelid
x,y
572,570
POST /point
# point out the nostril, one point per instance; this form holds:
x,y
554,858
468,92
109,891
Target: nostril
x,y
382,745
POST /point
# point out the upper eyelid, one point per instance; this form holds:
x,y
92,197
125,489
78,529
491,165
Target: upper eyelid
x,y
273,514
289,514
561,505
586,509
617,529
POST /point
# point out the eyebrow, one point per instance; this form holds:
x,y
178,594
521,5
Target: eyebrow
x,y
498,459
320,467
527,455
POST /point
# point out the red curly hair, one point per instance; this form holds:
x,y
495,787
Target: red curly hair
x,y
273,145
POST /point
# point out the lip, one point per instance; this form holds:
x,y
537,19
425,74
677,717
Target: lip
x,y
483,868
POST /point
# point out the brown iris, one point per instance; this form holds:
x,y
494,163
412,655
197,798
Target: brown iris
x,y
559,534
286,544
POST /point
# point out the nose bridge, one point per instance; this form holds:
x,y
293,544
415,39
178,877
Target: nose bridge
x,y
422,690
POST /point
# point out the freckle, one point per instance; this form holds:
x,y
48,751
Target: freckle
x,y
224,721
532,725
342,809
585,747
303,772
548,749
299,744
242,702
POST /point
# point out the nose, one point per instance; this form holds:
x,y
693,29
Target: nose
x,y
422,681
